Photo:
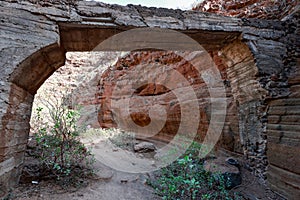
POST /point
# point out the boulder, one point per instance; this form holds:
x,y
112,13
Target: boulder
x,y
144,147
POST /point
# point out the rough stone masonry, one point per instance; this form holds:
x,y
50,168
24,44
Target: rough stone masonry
x,y
262,59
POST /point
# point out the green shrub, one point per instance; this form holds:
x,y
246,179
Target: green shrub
x,y
186,179
58,147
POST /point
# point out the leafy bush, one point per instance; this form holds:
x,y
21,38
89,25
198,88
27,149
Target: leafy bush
x,y
58,147
186,179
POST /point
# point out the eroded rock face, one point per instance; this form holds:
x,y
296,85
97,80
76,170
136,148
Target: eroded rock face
x,y
149,94
266,9
144,97
83,96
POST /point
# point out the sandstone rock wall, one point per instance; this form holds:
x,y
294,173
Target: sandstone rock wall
x,y
283,117
148,95
266,9
279,78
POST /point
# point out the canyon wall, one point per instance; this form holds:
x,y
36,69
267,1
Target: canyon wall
x,y
264,9
146,96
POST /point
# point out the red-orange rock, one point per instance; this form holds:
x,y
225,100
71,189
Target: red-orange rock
x,y
266,9
121,77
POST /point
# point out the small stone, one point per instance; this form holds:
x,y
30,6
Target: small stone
x,y
144,147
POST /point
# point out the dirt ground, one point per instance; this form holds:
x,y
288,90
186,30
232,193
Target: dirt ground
x,y
116,186
114,180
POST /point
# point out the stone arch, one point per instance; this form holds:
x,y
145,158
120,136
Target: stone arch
x,y
35,39
35,69
30,74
